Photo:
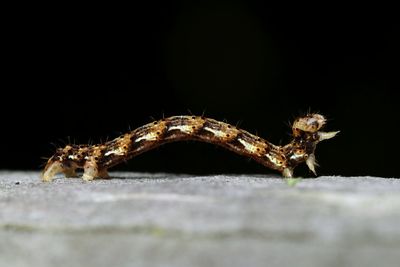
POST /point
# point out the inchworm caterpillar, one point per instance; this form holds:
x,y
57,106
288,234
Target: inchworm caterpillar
x,y
97,159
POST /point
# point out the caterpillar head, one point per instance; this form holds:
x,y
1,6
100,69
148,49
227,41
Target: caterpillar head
x,y
310,123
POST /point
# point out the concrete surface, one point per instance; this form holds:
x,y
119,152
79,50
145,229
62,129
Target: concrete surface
x,y
140,219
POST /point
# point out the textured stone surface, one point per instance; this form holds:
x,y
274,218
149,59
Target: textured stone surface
x,y
181,220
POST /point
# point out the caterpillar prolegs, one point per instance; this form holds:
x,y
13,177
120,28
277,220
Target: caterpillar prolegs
x,y
97,159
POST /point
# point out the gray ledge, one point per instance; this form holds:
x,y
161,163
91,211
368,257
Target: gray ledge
x,y
142,219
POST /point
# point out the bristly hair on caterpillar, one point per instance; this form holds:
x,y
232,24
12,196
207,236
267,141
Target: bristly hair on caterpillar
x,y
95,160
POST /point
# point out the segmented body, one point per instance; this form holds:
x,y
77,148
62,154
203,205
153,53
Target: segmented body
x,y
97,159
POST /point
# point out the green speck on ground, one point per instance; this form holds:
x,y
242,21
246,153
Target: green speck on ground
x,y
292,181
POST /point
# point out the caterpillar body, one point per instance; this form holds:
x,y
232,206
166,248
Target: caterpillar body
x,y
95,160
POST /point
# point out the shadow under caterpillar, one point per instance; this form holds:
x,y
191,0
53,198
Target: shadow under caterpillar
x,y
97,159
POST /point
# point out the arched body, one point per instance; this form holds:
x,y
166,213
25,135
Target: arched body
x,y
95,160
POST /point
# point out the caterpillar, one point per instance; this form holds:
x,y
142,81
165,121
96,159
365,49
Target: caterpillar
x,y
95,160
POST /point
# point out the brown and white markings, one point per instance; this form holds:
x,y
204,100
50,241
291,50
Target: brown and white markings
x,y
97,159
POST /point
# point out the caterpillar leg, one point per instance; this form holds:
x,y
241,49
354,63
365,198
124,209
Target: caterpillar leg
x,y
91,171
51,169
287,173
312,163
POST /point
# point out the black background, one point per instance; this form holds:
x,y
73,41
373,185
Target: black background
x,y
86,73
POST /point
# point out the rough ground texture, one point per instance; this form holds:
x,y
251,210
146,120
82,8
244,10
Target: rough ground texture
x,y
140,219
